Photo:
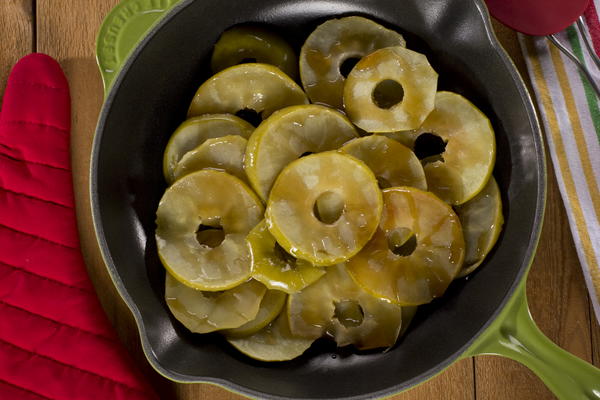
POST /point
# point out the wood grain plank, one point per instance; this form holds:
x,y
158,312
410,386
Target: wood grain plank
x,y
556,291
595,327
16,31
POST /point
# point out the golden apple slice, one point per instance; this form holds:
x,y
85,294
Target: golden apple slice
x,y
391,89
481,219
194,206
392,163
335,306
270,307
261,88
470,153
413,268
224,154
333,44
244,43
195,131
407,138
203,312
288,134
274,267
350,197
274,342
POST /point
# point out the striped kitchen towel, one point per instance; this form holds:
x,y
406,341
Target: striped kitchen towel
x,y
570,112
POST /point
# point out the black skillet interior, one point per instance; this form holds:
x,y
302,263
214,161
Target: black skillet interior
x,y
150,99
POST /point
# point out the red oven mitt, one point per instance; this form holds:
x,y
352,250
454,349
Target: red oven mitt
x,y
55,340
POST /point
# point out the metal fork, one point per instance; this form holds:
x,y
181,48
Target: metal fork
x,y
579,26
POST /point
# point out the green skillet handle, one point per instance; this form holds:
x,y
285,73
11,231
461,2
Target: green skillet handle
x,y
123,28
515,335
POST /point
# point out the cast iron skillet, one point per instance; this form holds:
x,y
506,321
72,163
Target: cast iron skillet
x,y
150,97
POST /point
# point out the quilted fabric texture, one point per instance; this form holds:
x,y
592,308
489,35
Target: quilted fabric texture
x,y
55,340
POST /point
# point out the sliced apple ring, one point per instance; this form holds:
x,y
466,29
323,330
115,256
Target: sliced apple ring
x,y
392,163
335,306
407,138
270,307
274,342
203,312
330,46
245,43
391,89
207,199
223,153
470,153
413,268
335,232
261,88
194,131
482,220
288,134
275,268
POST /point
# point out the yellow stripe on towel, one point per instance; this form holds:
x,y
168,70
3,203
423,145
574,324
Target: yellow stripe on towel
x,y
578,133
590,259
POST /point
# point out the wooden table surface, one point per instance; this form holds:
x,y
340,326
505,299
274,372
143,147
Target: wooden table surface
x,y
66,30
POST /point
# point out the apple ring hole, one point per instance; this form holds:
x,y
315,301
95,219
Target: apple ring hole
x,y
251,116
402,241
210,236
328,207
430,147
387,94
347,65
284,256
383,183
349,313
